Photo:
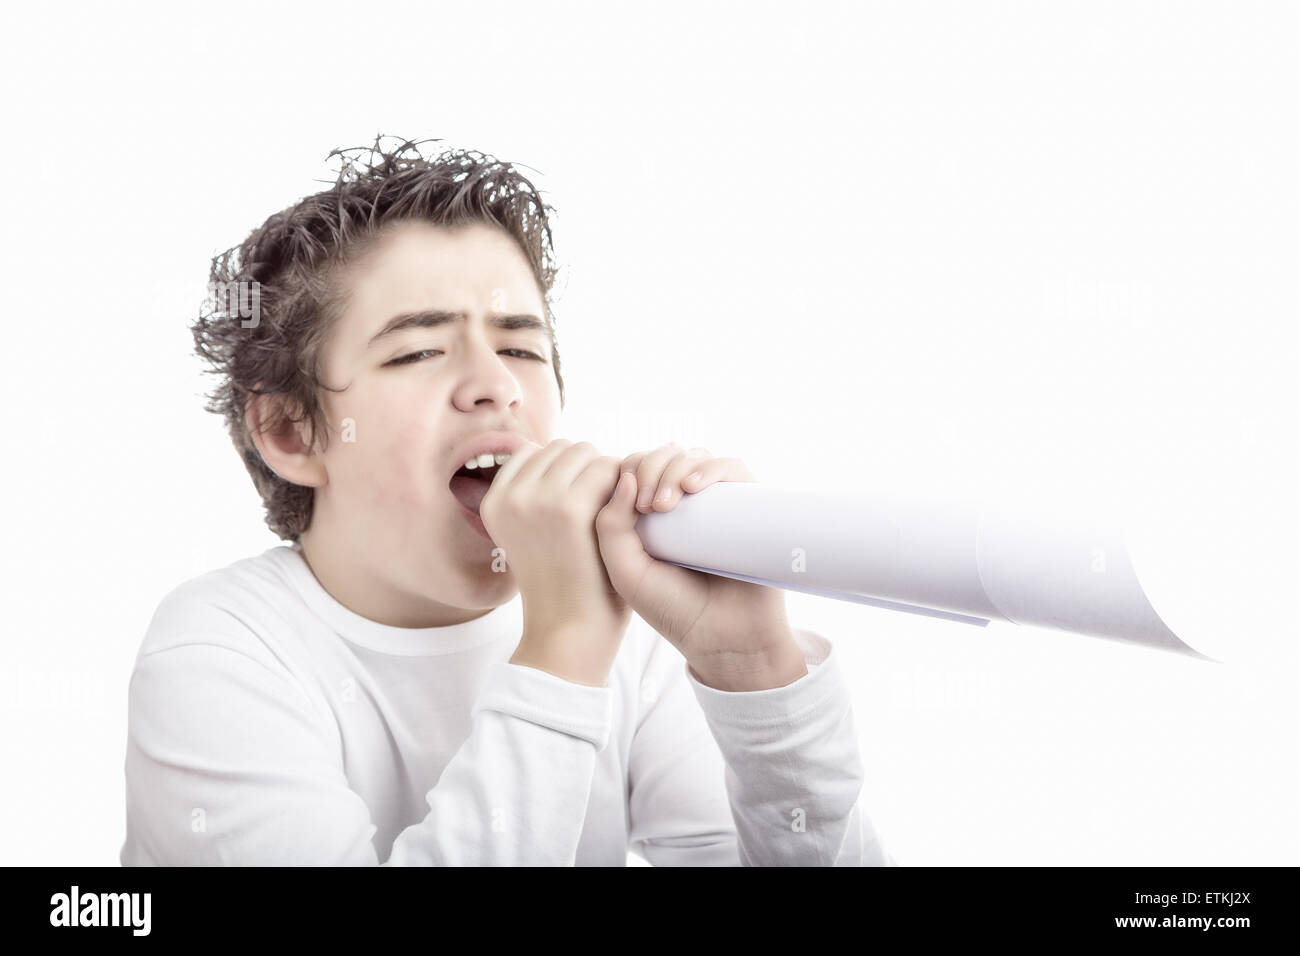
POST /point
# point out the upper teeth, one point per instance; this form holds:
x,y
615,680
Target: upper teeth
x,y
487,460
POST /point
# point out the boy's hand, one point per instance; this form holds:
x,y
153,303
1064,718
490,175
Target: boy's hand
x,y
541,509
734,634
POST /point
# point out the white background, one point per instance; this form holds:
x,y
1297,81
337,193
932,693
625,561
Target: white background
x,y
942,246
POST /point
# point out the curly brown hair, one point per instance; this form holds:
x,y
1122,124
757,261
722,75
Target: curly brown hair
x,y
293,263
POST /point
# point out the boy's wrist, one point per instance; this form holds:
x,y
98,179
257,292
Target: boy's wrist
x,y
779,667
580,652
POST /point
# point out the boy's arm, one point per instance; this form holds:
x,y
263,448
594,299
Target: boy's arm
x,y
762,778
229,762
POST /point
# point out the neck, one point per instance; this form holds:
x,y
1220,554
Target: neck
x,y
356,586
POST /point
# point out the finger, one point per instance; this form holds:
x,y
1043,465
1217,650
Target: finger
x,y
536,464
633,461
648,471
516,463
714,470
626,561
598,479
670,490
564,470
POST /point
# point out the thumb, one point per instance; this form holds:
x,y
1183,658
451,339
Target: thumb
x,y
620,546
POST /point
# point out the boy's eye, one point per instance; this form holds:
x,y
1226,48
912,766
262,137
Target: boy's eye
x,y
412,357
418,356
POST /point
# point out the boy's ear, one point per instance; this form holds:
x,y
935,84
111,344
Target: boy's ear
x,y
281,442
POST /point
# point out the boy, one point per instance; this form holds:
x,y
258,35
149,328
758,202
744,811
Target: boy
x,y
462,656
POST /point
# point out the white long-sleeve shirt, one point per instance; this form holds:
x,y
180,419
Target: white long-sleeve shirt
x,y
270,725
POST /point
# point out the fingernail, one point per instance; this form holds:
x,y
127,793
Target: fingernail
x,y
693,477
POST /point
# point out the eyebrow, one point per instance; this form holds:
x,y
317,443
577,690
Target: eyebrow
x,y
430,318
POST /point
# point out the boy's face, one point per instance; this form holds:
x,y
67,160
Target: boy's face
x,y
387,536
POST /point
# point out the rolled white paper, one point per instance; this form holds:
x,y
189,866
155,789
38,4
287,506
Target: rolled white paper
x,y
956,559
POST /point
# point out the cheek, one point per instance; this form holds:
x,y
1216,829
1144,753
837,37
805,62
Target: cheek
x,y
542,403
399,469
385,465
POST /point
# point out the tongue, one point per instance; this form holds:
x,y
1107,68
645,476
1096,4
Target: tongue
x,y
469,491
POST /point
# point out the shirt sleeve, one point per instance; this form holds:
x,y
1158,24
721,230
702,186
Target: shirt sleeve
x,y
753,778
229,762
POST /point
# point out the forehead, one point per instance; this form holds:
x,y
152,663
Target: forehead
x,y
476,268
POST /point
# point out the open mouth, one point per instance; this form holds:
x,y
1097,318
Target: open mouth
x,y
469,485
